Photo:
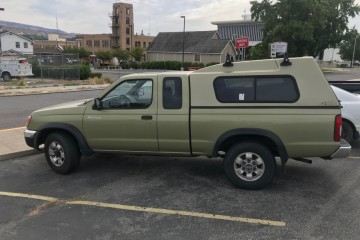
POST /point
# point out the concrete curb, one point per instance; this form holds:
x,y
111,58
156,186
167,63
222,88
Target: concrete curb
x,y
50,92
19,154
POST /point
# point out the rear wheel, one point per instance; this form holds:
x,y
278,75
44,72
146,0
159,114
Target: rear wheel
x,y
347,132
6,76
249,165
62,153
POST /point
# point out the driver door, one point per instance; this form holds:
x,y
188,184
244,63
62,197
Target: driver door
x,y
126,118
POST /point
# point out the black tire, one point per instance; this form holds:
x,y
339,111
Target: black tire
x,y
254,163
62,153
6,76
347,132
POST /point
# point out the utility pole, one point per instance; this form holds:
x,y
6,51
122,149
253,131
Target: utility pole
x,y
183,46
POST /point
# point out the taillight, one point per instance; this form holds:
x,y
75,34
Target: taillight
x,y
337,132
28,119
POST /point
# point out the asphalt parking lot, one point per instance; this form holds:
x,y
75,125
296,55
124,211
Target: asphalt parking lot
x,y
134,197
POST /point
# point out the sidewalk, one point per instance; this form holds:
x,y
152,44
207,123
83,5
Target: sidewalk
x,y
16,91
12,143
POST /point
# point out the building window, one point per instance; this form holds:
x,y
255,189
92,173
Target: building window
x,y
144,44
128,41
105,43
88,43
256,89
197,58
127,30
17,44
127,20
26,45
96,43
127,11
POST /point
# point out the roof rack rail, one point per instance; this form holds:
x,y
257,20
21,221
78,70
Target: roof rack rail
x,y
228,61
286,61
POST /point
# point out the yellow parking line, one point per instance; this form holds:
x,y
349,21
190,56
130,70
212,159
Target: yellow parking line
x,y
11,129
150,210
181,213
31,196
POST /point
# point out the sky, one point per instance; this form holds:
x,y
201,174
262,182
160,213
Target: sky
x,y
150,16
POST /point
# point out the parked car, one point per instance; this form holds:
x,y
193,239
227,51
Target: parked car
x,y
247,113
350,113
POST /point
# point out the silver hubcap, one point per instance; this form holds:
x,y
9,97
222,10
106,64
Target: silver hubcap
x,y
56,154
249,166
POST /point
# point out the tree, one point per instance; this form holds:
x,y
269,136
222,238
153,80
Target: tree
x,y
309,26
257,52
121,54
104,55
137,53
83,53
347,46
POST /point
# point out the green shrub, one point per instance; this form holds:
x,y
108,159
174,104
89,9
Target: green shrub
x,y
84,71
94,75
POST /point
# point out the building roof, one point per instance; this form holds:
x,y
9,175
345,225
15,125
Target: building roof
x,y
195,42
239,29
3,32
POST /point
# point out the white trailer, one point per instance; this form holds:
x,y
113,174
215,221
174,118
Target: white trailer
x,y
14,67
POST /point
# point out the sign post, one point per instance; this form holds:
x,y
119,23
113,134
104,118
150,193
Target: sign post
x,y
278,49
242,43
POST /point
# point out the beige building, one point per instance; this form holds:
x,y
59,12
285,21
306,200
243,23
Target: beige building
x,y
94,42
122,33
52,44
200,46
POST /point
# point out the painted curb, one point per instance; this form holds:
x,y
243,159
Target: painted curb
x,y
19,154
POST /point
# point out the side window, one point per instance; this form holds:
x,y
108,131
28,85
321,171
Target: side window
x,y
276,89
172,93
234,89
256,89
131,94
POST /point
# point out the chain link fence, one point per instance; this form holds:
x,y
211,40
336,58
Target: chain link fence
x,y
55,66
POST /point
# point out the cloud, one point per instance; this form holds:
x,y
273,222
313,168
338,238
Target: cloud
x,y
92,16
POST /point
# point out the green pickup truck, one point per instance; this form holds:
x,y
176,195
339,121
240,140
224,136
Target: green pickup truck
x,y
247,113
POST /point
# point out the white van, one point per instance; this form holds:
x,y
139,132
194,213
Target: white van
x,y
14,67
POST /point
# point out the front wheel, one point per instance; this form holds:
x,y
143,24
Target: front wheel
x,y
62,153
249,165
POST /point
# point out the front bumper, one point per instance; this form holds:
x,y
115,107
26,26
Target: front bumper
x,y
30,136
343,151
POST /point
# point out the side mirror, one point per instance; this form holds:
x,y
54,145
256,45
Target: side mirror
x,y
97,104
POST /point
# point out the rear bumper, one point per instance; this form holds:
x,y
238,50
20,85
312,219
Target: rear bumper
x,y
343,151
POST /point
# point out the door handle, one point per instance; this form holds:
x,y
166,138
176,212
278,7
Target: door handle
x,y
146,117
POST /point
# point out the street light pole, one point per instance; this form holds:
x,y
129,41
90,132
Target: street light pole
x,y
183,45
1,9
352,61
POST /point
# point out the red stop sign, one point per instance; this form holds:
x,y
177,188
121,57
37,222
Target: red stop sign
x,y
242,42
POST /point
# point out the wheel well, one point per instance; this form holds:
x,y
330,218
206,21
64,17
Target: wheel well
x,y
5,72
350,123
267,142
46,132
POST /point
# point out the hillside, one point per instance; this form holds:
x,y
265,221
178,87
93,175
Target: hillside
x,y
33,32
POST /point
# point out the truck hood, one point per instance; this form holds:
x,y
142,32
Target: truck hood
x,y
68,108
